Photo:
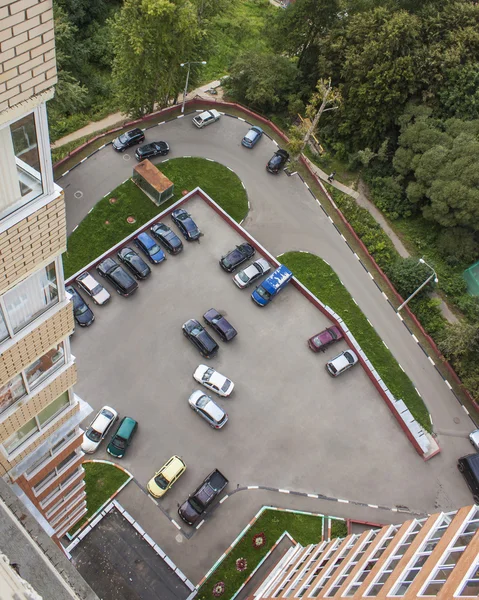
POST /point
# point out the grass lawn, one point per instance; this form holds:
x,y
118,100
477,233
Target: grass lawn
x,y
305,529
323,282
101,481
94,236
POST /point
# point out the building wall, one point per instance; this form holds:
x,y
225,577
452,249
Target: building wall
x,y
27,50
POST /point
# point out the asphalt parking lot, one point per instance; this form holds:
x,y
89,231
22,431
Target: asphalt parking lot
x,y
291,425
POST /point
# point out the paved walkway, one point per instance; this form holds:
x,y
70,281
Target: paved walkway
x,y
363,200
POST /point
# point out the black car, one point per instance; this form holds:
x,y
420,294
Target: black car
x,y
135,263
124,284
81,311
223,328
199,337
185,224
167,238
277,162
148,245
127,139
236,257
152,149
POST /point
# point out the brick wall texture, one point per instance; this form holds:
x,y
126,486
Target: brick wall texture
x,y
35,344
32,241
27,50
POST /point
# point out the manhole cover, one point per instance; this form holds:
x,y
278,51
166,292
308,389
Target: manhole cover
x,y
113,200
126,157
78,195
179,538
457,420
107,222
131,220
184,192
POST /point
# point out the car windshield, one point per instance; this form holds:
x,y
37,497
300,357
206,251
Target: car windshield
x,y
196,331
349,358
244,278
96,290
119,442
333,368
196,505
202,402
263,293
93,435
208,374
123,138
81,310
155,249
161,482
225,385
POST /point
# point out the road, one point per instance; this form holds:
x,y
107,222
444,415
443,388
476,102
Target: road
x,y
284,216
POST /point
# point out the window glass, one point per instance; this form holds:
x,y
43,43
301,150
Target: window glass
x,y
66,460
51,475
46,364
32,297
20,436
11,392
51,411
25,147
3,328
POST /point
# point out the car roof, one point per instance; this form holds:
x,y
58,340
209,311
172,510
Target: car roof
x,y
88,280
174,467
263,262
145,238
207,340
215,411
101,421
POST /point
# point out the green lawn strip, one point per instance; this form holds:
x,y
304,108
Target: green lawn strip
x,y
305,529
323,282
101,482
339,529
94,236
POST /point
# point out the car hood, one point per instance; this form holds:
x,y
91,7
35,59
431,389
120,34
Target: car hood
x,y
155,489
188,513
88,446
102,296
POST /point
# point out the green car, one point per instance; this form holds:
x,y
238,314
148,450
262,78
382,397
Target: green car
x,y
122,437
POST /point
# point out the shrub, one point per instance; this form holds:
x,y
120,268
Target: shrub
x,y
428,311
388,195
469,305
453,284
457,245
408,274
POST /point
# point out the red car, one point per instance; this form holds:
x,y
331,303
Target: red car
x,y
323,339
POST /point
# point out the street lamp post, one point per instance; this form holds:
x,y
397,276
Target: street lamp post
x,y
189,63
433,274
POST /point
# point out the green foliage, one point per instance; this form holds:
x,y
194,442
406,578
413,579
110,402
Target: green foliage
x,y
460,345
388,195
458,245
408,274
262,80
321,280
459,96
428,311
339,529
305,529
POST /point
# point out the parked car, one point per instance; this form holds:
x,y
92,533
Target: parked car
x,y
124,284
148,245
191,510
200,338
474,439
277,161
469,467
272,286
324,339
206,118
163,479
81,311
223,328
252,272
127,139
94,289
342,362
182,219
98,429
152,149
207,408
252,137
234,258
121,439
167,238
135,263
213,380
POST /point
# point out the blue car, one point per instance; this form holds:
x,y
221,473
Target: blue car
x,y
252,137
148,245
81,311
185,224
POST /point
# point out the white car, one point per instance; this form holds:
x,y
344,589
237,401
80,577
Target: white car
x,y
98,429
213,380
94,289
474,439
207,408
252,272
342,362
206,118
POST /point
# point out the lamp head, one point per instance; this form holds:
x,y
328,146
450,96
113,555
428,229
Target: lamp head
x,y
421,260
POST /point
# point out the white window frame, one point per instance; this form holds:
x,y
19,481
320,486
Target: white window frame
x,y
61,486
77,453
50,454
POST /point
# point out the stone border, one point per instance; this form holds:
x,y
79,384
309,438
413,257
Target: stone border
x,y
89,522
115,505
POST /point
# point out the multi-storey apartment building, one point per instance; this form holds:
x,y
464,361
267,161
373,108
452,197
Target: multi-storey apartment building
x,y
437,556
40,438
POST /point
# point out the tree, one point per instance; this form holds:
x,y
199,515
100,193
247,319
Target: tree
x,y
408,274
458,245
150,40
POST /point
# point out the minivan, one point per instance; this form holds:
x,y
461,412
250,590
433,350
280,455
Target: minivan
x,y
469,467
272,286
122,437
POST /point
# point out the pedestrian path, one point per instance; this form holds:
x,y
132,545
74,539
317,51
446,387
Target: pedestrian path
x,y
364,201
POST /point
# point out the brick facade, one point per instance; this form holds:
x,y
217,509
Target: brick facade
x,y
27,47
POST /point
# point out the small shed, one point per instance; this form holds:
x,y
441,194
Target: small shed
x,y
152,181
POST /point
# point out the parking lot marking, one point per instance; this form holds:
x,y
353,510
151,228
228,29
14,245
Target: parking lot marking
x,y
415,338
162,123
370,276
465,409
230,169
356,256
331,219
253,487
66,173
431,361
223,499
313,496
417,392
180,116
384,296
400,366
344,501
209,160
244,187
74,228
385,344
369,321
199,524
284,491
153,500
373,506
175,524
399,317
91,209
355,302
448,384
241,119
186,156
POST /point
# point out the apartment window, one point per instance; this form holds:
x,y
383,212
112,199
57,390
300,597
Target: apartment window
x,y
469,588
44,458
11,392
56,471
52,410
21,435
61,486
65,499
30,298
3,328
45,365
21,178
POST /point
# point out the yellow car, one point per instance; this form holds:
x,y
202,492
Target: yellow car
x,y
166,477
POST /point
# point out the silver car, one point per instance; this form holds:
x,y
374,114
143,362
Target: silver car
x,y
206,118
252,272
208,409
213,380
474,439
342,362
94,289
